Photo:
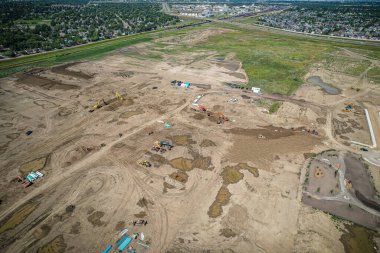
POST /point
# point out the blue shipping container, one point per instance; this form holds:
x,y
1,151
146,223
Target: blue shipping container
x,y
107,249
123,242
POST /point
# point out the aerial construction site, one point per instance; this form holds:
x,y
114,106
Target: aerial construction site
x,y
146,150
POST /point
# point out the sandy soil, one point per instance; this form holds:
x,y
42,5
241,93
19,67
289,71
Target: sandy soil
x,y
94,187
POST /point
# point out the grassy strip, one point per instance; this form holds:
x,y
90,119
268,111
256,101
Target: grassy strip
x,y
274,107
374,74
77,52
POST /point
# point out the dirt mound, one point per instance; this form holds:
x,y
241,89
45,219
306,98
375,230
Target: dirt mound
x,y
140,215
157,159
41,232
203,163
64,111
202,86
43,82
179,176
207,143
128,114
199,116
13,136
237,75
269,132
232,174
182,164
182,140
114,104
62,69
18,216
95,217
227,232
120,225
221,199
36,164
168,186
77,154
75,229
230,65
57,245
248,147
144,203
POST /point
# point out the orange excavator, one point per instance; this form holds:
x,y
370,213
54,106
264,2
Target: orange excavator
x,y
221,118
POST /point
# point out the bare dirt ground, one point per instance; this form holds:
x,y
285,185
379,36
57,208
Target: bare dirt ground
x,y
232,187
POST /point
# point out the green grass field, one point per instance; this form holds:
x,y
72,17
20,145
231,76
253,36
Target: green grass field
x,y
346,64
87,51
276,63
248,20
374,74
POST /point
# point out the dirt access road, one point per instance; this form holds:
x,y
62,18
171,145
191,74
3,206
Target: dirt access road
x,y
94,186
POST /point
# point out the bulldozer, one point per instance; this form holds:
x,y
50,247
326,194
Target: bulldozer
x,y
145,164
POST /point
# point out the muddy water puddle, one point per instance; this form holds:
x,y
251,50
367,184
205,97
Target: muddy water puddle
x,y
358,239
316,80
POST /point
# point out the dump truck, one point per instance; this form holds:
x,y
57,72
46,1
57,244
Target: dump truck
x,y
167,144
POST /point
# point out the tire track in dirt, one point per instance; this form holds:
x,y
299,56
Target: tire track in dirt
x,y
89,159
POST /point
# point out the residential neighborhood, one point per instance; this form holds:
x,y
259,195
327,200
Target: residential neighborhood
x,y
335,20
32,27
222,10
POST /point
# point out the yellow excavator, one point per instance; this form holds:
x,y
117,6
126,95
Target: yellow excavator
x,y
118,96
99,105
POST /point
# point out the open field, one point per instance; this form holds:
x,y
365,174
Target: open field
x,y
229,187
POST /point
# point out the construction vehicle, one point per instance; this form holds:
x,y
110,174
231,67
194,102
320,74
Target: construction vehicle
x,y
157,147
162,146
99,105
167,144
346,109
29,179
118,96
25,183
145,163
140,222
221,118
199,108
